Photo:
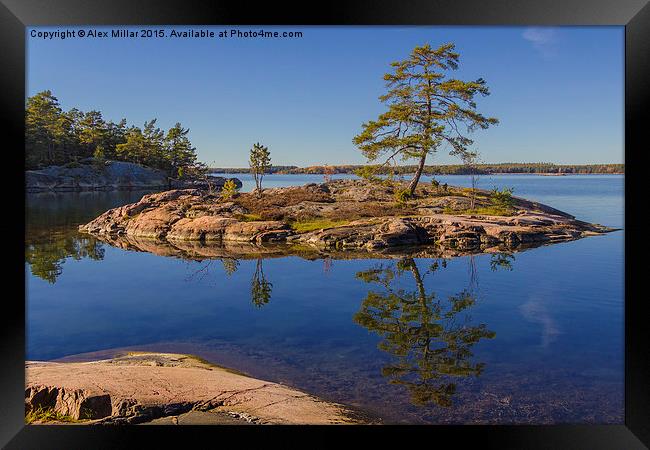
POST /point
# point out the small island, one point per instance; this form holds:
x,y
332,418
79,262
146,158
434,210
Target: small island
x,y
344,215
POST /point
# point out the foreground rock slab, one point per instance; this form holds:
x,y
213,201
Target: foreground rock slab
x,y
171,389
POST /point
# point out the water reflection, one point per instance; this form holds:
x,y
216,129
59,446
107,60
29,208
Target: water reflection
x,y
501,261
47,254
260,286
51,228
430,338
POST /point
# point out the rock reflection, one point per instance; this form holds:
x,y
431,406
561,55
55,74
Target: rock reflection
x,y
430,338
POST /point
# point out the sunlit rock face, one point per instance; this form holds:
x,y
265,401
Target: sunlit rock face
x,y
139,387
340,215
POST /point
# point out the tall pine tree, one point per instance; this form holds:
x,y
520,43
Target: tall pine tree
x,y
426,109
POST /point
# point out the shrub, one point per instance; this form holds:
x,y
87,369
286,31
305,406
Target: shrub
x,y
502,198
229,190
402,196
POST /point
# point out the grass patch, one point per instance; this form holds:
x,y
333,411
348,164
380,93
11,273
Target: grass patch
x,y
41,414
317,224
485,211
248,217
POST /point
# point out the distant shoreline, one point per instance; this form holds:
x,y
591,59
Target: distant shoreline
x,y
544,169
222,171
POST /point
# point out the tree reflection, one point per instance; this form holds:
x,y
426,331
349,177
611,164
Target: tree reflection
x,y
230,265
46,256
502,261
260,286
430,338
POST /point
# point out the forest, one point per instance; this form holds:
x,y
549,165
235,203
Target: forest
x,y
57,137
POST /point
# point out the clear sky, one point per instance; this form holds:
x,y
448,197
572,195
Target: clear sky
x,y
558,92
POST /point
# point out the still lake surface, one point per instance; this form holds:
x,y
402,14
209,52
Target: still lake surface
x,y
532,337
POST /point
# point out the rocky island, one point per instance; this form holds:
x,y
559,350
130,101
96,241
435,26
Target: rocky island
x,y
340,215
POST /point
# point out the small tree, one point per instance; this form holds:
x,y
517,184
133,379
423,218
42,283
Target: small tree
x,y
502,199
260,162
470,159
229,190
426,108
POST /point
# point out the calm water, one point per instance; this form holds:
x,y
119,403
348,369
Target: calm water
x,y
533,337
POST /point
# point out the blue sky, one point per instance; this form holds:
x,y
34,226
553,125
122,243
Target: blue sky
x,y
558,92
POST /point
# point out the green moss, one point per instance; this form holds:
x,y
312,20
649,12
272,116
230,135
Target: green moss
x,y
211,364
183,355
317,224
41,414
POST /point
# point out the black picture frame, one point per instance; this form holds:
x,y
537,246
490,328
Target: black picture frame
x,y
16,15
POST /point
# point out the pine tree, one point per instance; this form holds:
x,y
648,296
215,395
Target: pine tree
x,y
44,130
260,162
178,150
133,147
56,137
426,109
92,132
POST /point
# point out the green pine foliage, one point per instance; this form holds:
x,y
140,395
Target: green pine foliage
x,y
426,109
229,190
57,137
502,198
260,163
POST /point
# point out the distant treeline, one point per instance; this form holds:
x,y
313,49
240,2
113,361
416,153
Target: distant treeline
x,y
452,169
272,169
57,137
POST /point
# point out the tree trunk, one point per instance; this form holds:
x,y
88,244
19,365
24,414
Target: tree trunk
x,y
422,294
416,178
